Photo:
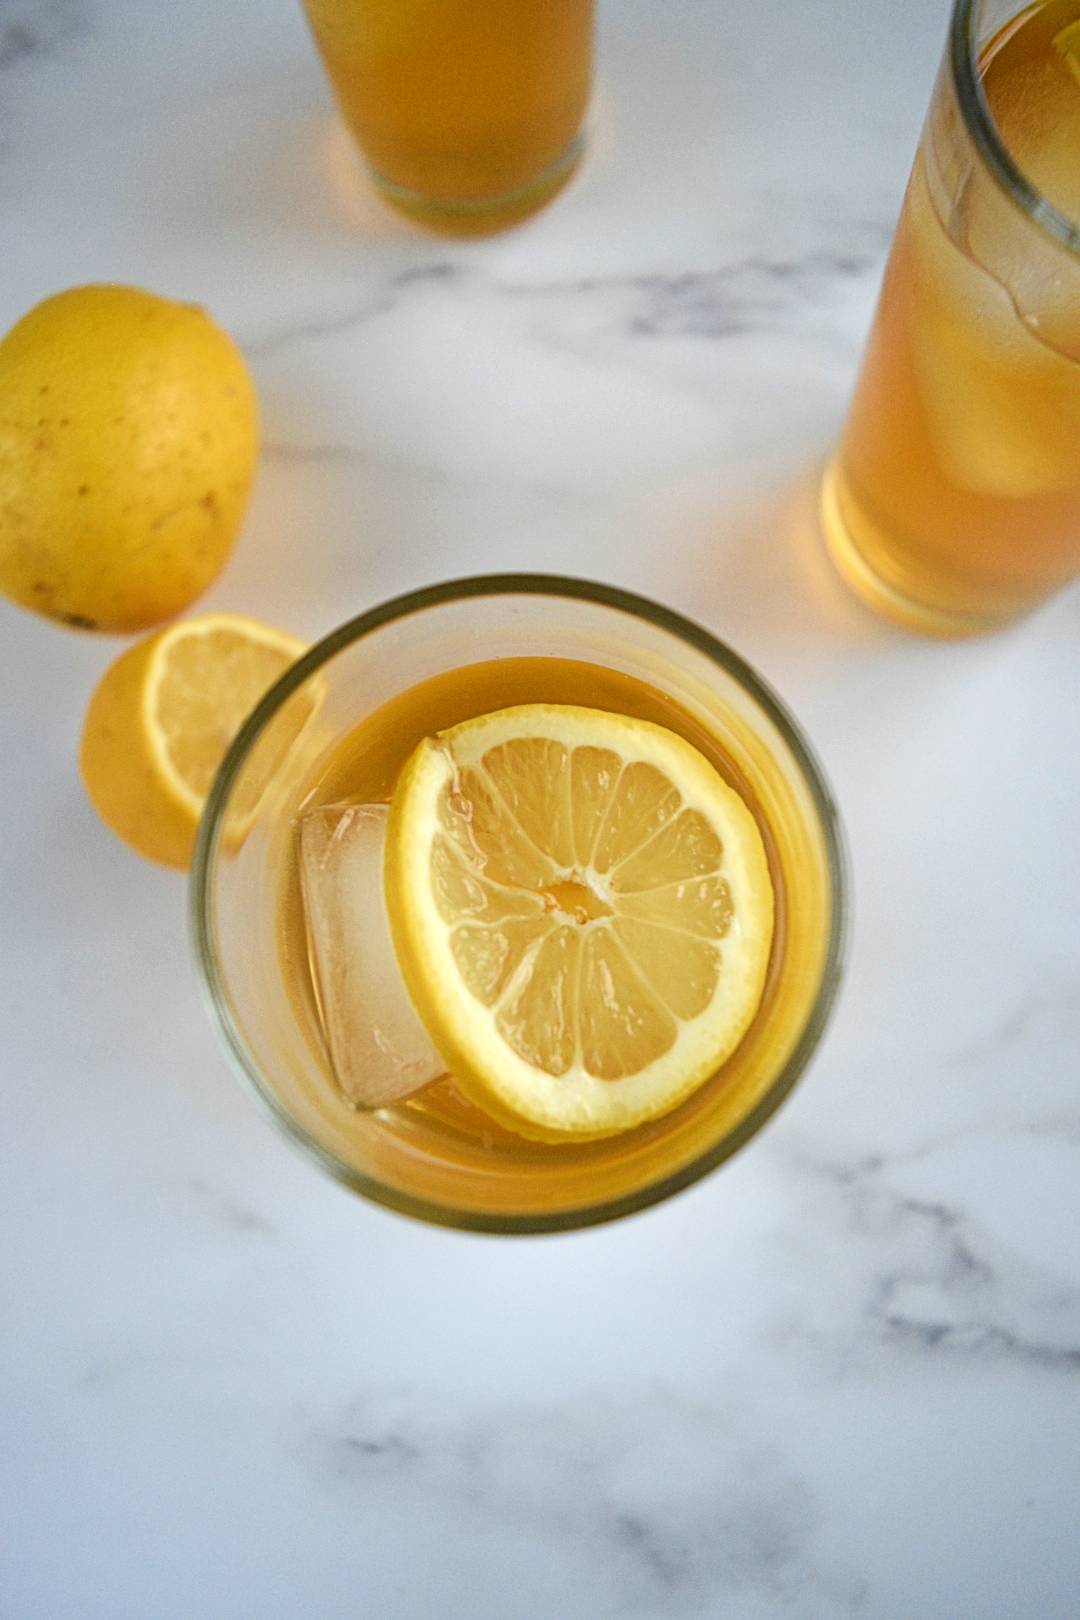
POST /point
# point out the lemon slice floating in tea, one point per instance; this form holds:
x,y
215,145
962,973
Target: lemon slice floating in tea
x,y
582,911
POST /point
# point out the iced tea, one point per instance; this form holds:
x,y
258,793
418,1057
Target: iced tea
x,y
372,692
461,107
363,770
953,502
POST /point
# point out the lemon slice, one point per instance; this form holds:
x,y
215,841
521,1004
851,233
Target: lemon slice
x,y
582,912
1067,45
161,719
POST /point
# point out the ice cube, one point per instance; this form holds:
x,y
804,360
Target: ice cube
x,y
999,428
378,1046
1002,408
1034,96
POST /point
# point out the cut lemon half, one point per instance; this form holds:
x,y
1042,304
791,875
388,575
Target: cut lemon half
x,y
582,912
161,719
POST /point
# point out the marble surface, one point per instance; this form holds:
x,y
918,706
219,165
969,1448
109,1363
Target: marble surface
x,y
841,1378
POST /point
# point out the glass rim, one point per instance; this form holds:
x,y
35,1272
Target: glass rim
x,y
211,826
988,140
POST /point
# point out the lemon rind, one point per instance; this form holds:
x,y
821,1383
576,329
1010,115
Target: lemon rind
x,y
251,630
575,1106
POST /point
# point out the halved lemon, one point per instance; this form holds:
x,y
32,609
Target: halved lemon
x,y
582,911
161,719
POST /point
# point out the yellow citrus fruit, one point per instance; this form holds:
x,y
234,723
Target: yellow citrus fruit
x,y
1067,44
129,433
161,719
582,911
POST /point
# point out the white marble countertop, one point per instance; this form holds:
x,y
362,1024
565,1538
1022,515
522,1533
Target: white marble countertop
x,y
842,1377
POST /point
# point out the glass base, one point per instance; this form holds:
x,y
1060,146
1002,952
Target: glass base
x,y
477,216
878,593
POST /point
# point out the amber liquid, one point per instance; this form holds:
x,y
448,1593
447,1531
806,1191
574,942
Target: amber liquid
x,y
954,500
460,104
439,1125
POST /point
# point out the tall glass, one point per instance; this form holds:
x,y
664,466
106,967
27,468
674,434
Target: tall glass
x,y
412,1156
469,112
953,501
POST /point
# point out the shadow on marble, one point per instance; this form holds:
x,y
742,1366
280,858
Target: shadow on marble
x,y
758,572
294,173
333,161
302,171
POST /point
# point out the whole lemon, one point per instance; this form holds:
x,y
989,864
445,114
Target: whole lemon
x,y
129,432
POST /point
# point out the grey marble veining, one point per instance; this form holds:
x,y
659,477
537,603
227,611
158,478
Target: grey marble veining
x,y
753,295
747,297
730,1520
31,29
934,1278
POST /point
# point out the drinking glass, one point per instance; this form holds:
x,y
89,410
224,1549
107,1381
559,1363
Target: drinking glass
x,y
468,112
953,501
409,1156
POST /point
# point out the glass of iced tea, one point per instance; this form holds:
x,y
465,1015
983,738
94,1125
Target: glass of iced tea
x,y
953,501
520,902
468,112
